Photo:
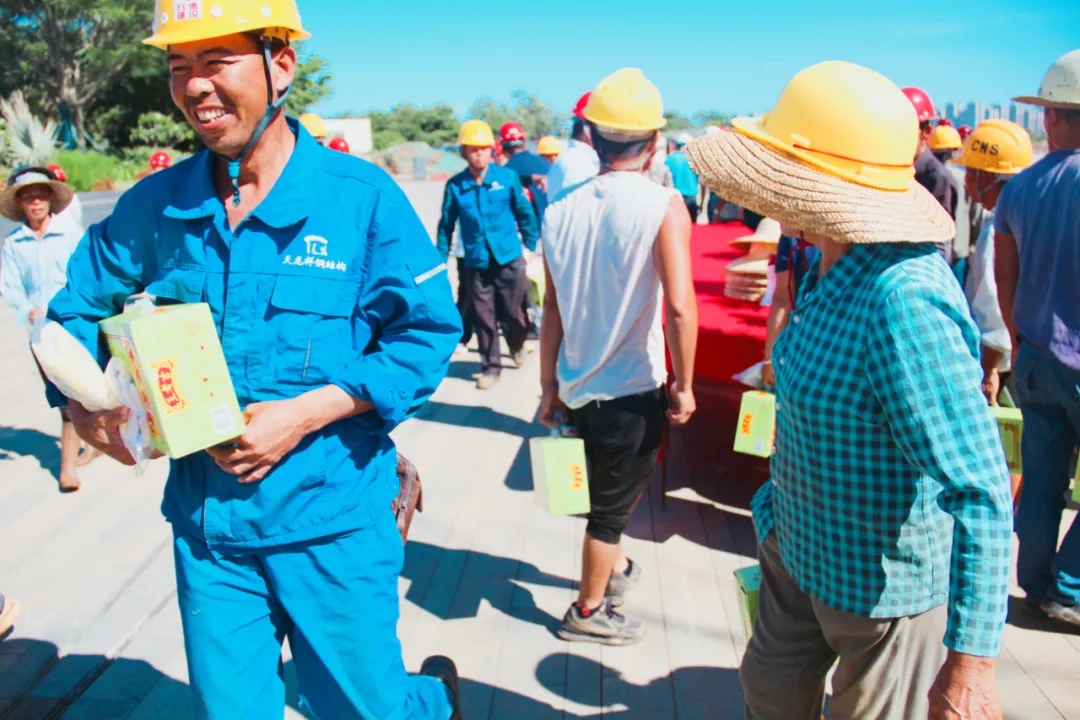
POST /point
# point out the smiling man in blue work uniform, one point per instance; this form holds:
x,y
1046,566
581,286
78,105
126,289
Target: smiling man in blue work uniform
x,y
337,322
490,203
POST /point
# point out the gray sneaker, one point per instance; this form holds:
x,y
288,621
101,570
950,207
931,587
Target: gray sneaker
x,y
487,381
620,582
1062,613
603,625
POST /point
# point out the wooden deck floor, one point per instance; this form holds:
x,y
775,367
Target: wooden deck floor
x,y
487,577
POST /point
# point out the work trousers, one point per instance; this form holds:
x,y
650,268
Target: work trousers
x,y
464,302
622,442
497,293
336,599
1049,395
886,666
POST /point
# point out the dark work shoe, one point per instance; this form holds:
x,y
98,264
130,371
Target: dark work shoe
x,y
621,582
444,670
603,625
1062,613
519,356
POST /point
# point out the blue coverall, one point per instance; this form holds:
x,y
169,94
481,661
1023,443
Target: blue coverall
x,y
332,279
491,213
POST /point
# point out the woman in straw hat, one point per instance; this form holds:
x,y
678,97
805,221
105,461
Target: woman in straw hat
x,y
33,268
887,523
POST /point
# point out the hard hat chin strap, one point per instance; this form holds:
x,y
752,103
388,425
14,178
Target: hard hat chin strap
x,y
272,107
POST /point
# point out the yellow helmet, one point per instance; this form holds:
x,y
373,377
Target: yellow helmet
x,y
846,120
184,21
627,101
548,145
314,124
945,137
997,146
476,133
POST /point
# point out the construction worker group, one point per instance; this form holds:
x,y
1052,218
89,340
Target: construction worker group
x,y
885,530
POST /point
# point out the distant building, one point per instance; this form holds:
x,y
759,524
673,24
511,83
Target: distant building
x,y
972,113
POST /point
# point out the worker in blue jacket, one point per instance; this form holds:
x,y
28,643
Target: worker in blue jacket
x,y
490,204
337,322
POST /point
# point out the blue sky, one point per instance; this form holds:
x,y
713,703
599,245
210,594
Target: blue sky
x,y
718,54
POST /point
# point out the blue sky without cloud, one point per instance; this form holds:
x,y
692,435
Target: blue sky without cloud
x,y
718,54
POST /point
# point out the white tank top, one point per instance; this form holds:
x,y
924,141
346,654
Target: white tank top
x,y
598,245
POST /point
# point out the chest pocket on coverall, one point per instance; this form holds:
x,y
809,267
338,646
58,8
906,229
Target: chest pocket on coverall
x,y
307,333
178,286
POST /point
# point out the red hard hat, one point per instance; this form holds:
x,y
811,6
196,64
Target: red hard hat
x,y
512,132
964,131
579,109
160,160
924,106
58,172
339,144
944,122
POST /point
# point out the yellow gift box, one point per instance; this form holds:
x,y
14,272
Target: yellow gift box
x,y
174,355
1011,423
757,424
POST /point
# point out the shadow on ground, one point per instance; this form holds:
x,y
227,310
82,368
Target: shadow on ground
x,y
21,442
1026,617
473,577
478,416
35,683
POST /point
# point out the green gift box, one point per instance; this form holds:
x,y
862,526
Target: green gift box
x,y
174,355
757,424
1011,423
560,476
749,588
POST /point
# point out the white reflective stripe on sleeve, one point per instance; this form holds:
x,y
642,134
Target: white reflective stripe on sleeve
x,y
430,274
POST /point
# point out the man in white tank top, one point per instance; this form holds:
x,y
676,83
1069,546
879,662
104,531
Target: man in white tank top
x,y
617,251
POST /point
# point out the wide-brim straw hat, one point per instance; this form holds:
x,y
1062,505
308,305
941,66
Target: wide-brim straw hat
x,y
753,175
764,240
834,158
62,194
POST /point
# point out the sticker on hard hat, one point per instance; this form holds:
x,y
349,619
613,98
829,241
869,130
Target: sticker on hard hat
x,y
187,9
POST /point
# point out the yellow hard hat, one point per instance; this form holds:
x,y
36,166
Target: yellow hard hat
x,y
314,125
997,146
945,137
548,145
476,133
626,100
847,121
184,21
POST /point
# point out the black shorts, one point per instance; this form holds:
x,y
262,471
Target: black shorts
x,y
622,442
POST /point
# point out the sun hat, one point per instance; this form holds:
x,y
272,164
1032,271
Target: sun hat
x,y
25,177
764,240
1060,87
834,157
747,278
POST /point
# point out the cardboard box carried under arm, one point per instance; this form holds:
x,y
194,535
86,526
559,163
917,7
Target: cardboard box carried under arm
x,y
175,357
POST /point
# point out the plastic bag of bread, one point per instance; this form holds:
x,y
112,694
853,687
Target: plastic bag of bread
x,y
75,372
71,368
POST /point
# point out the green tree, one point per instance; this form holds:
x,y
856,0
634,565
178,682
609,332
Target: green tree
x,y
676,122
490,112
703,118
159,130
537,118
74,48
435,125
311,84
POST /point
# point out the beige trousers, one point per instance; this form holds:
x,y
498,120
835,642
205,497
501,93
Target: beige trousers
x,y
886,666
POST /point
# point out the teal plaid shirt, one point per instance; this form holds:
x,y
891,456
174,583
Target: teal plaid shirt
x,y
890,494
